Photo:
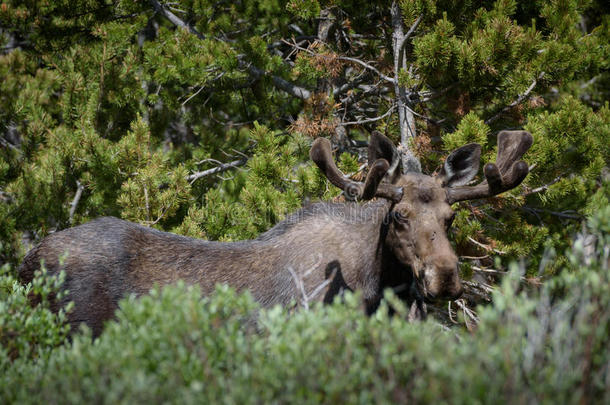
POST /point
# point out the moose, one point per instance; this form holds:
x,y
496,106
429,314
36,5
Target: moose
x,y
396,237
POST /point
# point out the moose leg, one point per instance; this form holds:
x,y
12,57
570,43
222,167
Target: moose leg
x,y
337,284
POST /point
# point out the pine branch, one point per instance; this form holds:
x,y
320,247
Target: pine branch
x,y
290,88
162,9
6,143
367,66
570,214
425,117
521,98
219,169
344,58
367,120
280,83
543,187
6,197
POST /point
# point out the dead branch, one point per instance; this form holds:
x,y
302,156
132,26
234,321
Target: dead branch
x,y
431,95
406,118
299,282
367,90
201,88
475,287
469,314
306,298
320,288
499,273
424,117
403,42
74,203
6,197
367,120
10,145
367,66
450,312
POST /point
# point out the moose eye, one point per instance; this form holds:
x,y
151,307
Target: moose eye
x,y
398,217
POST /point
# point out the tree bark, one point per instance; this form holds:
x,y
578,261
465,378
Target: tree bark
x,y
406,118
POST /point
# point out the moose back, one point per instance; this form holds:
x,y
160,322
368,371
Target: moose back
x,y
398,238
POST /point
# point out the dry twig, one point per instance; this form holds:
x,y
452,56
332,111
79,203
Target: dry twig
x,y
219,169
74,203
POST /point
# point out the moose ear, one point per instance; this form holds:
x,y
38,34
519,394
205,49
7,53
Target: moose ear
x,y
461,165
380,147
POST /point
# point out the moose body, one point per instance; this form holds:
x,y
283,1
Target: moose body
x,y
108,258
399,239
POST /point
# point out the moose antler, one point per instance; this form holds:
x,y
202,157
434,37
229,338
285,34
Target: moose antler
x,y
507,173
321,154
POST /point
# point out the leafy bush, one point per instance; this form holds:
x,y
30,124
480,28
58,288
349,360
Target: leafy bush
x,y
547,345
29,332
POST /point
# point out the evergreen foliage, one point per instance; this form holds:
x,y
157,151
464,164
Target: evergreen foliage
x,y
27,332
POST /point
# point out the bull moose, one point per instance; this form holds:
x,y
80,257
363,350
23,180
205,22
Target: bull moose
x,y
397,238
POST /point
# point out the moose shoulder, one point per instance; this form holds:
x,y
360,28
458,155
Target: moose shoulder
x,y
314,254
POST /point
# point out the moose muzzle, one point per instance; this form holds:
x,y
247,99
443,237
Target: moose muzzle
x,y
441,279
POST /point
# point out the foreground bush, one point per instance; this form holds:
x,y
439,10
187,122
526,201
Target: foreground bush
x,y
544,346
29,332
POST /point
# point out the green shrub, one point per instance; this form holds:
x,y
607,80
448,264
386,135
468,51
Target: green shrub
x,y
29,332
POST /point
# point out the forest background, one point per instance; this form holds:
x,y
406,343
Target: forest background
x,y
196,117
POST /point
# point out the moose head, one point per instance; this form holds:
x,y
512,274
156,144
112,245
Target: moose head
x,y
421,212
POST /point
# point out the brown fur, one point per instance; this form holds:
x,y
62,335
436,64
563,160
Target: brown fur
x,y
108,258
